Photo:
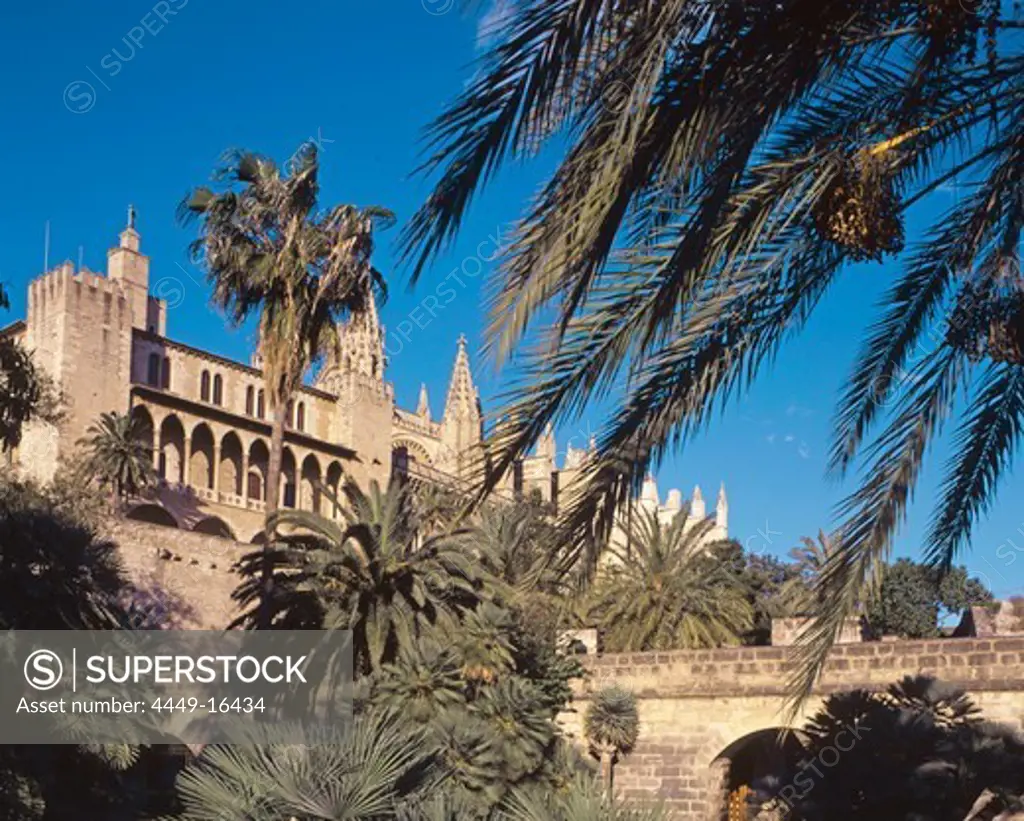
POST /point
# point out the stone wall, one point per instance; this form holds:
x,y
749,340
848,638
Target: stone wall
x,y
188,577
697,706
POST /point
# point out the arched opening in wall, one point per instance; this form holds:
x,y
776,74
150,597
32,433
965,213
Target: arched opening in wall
x,y
288,484
300,417
153,514
256,481
309,489
250,400
755,770
165,374
259,538
400,462
201,462
260,405
214,526
218,390
289,419
204,386
144,428
335,481
172,450
231,464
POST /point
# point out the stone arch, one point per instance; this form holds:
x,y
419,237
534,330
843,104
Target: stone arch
x,y
153,514
416,451
214,526
335,480
145,432
172,450
289,485
201,461
752,770
309,484
256,480
258,538
230,479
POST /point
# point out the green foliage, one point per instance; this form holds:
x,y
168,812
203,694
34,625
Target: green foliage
x,y
612,720
366,772
918,750
725,164
664,591
55,573
26,393
117,454
914,598
369,575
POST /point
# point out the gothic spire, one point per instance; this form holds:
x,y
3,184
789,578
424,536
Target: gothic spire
x,y
423,406
722,509
462,397
698,510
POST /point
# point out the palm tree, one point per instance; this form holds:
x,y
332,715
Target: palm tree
x,y
611,726
664,590
117,454
368,575
366,772
800,594
269,250
725,162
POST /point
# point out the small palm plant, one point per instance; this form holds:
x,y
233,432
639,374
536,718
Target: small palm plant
x,y
117,455
611,726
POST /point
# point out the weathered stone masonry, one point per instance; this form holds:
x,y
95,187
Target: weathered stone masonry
x,y
698,707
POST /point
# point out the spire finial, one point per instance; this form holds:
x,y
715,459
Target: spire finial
x,y
462,341
131,217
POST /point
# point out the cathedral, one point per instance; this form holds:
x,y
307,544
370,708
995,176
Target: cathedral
x,y
104,340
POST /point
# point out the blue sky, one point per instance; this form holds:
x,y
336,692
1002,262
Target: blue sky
x,y
171,85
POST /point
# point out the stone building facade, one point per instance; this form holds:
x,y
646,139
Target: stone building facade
x,y
104,338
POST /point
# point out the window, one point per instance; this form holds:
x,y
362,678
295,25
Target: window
x,y
165,375
289,494
204,386
153,374
250,400
259,404
300,417
218,390
255,486
400,461
289,420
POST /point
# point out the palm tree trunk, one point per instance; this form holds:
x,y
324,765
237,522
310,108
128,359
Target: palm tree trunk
x,y
607,760
273,491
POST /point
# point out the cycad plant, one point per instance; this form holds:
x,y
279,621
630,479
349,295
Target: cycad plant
x,y
663,589
117,455
270,250
611,727
725,163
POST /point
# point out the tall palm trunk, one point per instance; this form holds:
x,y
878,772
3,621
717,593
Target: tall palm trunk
x,y
279,410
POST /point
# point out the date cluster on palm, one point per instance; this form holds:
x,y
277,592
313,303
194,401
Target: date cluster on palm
x,y
860,210
953,25
986,323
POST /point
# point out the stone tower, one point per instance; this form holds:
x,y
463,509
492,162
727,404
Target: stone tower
x,y
79,325
365,404
462,421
